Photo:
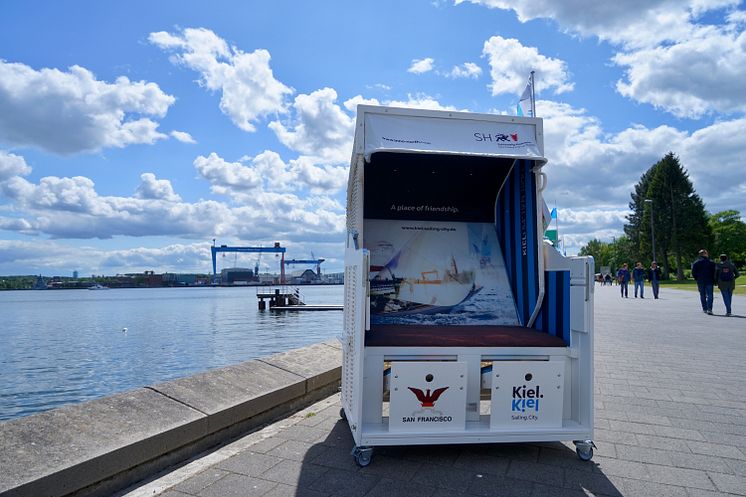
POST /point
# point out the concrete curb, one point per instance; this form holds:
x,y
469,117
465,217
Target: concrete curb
x,y
97,447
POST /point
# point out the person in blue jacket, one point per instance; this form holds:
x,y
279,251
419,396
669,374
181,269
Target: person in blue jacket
x,y
703,271
623,278
654,275
638,273
725,276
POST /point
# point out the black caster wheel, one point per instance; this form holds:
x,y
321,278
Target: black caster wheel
x,y
584,454
362,456
584,449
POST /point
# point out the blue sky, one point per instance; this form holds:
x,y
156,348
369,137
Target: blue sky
x,y
133,133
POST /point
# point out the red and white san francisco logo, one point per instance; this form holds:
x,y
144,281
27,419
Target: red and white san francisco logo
x,y
426,398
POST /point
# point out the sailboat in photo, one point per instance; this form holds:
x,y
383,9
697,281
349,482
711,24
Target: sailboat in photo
x,y
420,281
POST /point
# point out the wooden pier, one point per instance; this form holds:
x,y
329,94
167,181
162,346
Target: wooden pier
x,y
285,299
306,307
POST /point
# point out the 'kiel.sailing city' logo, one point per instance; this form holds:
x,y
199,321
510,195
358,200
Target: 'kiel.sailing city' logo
x,y
526,399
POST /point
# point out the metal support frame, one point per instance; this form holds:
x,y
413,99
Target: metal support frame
x,y
277,249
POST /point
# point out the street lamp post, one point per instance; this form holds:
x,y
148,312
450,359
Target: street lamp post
x,y
652,224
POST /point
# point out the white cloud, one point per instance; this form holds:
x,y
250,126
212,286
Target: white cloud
x,y
249,88
273,171
579,226
54,257
12,165
44,258
465,70
590,167
420,66
182,136
714,158
57,258
320,178
673,59
71,112
291,199
511,62
155,189
414,101
736,17
177,257
268,197
71,208
226,176
420,101
17,224
352,103
320,128
633,23
245,181
701,74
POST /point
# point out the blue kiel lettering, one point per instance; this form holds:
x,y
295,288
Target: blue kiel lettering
x,y
521,405
526,399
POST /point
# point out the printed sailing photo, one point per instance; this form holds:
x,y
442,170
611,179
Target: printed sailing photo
x,y
439,273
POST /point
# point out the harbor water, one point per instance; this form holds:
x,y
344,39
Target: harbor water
x,y
63,346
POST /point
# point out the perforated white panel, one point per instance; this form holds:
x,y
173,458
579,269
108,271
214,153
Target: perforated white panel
x,y
355,198
350,343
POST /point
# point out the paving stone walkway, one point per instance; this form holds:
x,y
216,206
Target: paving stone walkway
x,y
670,421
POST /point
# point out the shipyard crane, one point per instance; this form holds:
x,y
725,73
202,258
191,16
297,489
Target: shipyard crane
x,y
277,249
317,262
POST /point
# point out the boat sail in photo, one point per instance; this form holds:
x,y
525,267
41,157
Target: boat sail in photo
x,y
433,291
435,268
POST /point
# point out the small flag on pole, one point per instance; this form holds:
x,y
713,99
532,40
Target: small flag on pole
x,y
527,102
524,104
546,217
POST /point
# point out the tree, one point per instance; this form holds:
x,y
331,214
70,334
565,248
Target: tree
x,y
678,215
620,251
612,254
729,235
599,250
635,229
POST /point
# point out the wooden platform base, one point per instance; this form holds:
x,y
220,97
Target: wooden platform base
x,y
391,335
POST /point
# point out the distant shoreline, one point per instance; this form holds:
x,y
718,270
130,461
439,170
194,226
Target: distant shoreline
x,y
167,286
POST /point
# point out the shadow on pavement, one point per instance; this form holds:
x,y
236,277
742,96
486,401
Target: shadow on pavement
x,y
521,470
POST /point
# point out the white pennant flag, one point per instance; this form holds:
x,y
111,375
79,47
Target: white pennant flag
x,y
524,107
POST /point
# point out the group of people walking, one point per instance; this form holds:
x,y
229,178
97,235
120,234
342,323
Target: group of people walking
x,y
639,274
706,272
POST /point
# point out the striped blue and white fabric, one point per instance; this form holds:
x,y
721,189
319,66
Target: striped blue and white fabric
x,y
516,221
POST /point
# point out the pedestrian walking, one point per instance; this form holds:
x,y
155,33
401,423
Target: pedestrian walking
x,y
725,276
638,273
654,275
703,271
623,278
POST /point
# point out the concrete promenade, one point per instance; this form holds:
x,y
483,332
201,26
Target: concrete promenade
x,y
670,421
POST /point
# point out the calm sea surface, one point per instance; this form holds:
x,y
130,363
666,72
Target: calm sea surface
x,y
63,346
